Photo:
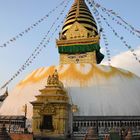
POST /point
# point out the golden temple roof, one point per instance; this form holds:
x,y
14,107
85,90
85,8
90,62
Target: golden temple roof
x,y
80,12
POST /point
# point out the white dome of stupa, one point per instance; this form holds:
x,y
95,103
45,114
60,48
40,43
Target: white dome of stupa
x,y
97,90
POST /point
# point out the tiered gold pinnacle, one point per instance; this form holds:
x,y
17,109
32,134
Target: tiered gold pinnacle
x,y
79,12
79,40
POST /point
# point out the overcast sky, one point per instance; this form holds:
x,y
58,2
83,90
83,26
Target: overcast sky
x,y
17,15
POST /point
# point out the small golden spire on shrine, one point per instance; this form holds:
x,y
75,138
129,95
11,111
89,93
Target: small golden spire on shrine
x,y
53,80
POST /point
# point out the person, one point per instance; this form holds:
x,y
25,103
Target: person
x,y
106,137
68,135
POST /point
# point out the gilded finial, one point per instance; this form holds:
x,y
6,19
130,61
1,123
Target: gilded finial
x,y
49,80
77,14
54,79
56,75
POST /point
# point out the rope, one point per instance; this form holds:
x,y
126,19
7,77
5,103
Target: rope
x,y
43,44
116,34
102,31
122,22
31,27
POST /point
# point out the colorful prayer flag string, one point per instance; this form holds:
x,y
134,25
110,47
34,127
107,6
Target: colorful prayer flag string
x,y
39,48
116,18
102,31
28,29
122,39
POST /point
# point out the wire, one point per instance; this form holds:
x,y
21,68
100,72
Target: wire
x,y
102,31
124,24
115,33
31,27
43,44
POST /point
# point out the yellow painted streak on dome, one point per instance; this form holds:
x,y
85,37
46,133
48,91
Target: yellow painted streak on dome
x,y
34,78
39,72
44,70
73,73
62,68
113,71
76,75
30,75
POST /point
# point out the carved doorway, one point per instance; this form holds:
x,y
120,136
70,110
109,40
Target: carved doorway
x,y
47,122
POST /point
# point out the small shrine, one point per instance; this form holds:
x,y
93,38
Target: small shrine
x,y
51,109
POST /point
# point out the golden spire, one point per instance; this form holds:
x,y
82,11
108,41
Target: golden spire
x,y
54,80
80,12
78,6
79,39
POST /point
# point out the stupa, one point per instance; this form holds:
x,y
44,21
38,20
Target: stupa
x,y
104,95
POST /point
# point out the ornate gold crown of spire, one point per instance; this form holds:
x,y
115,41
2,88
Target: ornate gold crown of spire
x,y
79,39
54,80
80,12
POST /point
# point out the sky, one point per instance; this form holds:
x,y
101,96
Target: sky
x,y
17,15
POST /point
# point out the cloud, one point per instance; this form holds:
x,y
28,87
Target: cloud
x,y
127,61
